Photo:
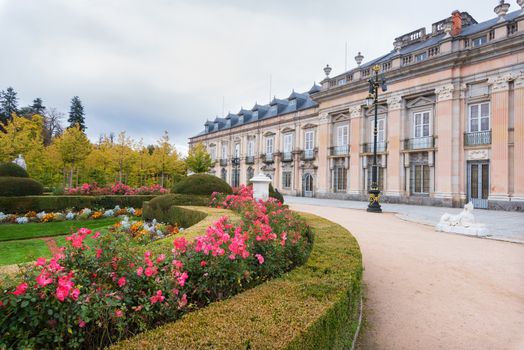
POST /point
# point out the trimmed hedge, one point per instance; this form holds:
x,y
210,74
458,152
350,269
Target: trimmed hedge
x,y
315,306
160,207
13,170
19,186
202,184
51,203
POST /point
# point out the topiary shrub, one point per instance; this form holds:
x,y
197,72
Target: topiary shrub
x,y
160,206
202,184
19,186
12,170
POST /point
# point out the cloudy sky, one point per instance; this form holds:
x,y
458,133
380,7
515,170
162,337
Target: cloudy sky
x,y
155,65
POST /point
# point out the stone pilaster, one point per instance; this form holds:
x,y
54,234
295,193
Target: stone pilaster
x,y
324,142
518,150
393,142
355,170
499,167
443,129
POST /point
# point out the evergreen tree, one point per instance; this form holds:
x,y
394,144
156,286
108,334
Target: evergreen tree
x,y
76,114
38,107
8,104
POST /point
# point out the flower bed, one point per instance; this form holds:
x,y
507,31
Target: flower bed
x,y
145,232
117,189
90,297
58,203
84,214
314,306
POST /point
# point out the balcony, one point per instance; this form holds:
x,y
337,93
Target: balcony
x,y
477,138
268,158
223,162
250,159
368,147
287,156
419,143
308,154
235,161
339,150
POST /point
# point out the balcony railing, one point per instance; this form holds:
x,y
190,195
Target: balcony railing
x,y
223,162
308,154
339,150
419,143
250,159
268,158
287,156
477,138
368,147
235,161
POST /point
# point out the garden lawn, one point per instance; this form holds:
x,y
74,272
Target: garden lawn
x,y
16,252
11,232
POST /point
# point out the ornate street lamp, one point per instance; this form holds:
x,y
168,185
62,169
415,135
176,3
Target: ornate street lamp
x,y
372,100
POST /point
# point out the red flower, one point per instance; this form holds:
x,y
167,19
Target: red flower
x,y
98,253
122,281
157,298
203,263
151,271
40,262
20,289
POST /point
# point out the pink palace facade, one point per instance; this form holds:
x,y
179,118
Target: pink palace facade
x,y
450,125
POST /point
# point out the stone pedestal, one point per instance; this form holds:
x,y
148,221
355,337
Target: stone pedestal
x,y
261,187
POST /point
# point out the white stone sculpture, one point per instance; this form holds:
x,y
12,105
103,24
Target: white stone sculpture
x,y
20,161
260,187
463,223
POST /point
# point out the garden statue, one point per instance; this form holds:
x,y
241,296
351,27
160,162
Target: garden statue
x,y
20,161
462,223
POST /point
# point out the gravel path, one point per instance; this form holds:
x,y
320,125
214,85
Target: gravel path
x,y
429,290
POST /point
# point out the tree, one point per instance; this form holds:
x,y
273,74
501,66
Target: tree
x,y
166,159
198,159
8,104
37,107
76,114
52,125
73,146
123,153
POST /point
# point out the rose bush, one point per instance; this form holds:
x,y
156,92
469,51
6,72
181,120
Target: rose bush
x,y
117,189
91,296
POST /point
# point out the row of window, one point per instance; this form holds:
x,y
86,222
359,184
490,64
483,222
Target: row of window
x,y
478,121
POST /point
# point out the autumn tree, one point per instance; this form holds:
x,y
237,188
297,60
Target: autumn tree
x,y
198,159
74,147
76,114
124,155
166,159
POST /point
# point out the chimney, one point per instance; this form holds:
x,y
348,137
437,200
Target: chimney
x,y
456,23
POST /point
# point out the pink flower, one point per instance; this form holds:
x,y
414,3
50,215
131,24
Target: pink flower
x,y
203,263
260,258
98,253
180,244
75,294
40,262
61,293
43,279
140,271
183,301
160,258
122,281
157,298
150,271
147,254
96,235
119,313
182,279
84,231
178,264
81,323
20,289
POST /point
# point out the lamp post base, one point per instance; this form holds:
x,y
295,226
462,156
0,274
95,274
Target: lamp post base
x,y
374,205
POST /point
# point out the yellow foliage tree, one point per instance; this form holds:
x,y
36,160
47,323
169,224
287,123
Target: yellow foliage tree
x,y
166,160
73,146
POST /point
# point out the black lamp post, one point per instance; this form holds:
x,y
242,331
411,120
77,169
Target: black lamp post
x,y
372,100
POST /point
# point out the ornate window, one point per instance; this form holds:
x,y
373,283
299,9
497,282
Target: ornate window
x,y
286,179
479,117
420,179
421,124
339,178
224,151
250,148
342,135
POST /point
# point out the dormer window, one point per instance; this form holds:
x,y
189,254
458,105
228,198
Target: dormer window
x,y
241,119
420,57
255,114
274,109
481,40
292,102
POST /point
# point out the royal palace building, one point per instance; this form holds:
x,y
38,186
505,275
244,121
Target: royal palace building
x,y
450,124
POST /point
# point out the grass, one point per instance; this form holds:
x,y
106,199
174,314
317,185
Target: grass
x,y
16,252
12,232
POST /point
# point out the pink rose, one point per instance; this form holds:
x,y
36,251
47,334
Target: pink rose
x,y
122,281
75,294
20,289
203,263
98,253
119,313
81,323
139,271
43,279
40,262
260,258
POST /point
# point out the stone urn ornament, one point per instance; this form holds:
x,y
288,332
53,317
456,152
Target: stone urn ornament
x,y
20,161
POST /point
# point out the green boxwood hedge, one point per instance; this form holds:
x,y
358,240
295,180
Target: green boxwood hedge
x,y
13,170
160,207
315,306
52,203
202,184
19,186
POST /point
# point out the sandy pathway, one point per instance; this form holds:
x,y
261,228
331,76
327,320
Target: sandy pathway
x,y
428,290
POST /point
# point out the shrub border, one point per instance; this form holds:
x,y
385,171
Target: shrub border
x,y
315,306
